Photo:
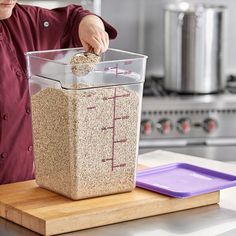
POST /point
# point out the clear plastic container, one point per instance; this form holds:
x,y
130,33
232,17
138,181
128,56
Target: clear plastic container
x,y
86,128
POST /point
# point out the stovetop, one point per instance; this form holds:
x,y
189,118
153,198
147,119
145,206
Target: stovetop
x,y
170,118
154,87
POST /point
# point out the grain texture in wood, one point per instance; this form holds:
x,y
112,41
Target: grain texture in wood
x,y
48,213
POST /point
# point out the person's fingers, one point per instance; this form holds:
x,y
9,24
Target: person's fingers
x,y
90,46
90,49
96,44
85,45
95,38
104,40
98,50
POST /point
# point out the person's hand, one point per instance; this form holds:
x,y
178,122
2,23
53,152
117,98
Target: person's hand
x,y
92,34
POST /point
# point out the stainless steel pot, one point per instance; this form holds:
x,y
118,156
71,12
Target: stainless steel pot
x,y
194,48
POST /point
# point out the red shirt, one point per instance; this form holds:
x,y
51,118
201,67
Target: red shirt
x,y
28,29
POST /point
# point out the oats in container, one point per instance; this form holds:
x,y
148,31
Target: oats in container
x,y
83,63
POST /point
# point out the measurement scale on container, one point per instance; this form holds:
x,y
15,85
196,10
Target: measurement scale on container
x,y
113,128
114,142
117,71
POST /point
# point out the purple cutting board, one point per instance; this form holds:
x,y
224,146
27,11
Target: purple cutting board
x,y
183,180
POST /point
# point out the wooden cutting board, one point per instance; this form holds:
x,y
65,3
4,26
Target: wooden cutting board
x,y
48,213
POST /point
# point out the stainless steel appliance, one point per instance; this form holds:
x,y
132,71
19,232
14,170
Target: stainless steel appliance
x,y
201,125
194,47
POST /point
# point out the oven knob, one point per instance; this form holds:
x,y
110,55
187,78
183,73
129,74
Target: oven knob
x,y
146,127
209,125
164,126
184,126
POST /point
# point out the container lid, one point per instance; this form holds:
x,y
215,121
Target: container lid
x,y
183,180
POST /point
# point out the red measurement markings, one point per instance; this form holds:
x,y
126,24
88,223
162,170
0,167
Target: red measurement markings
x,y
123,96
106,128
128,62
113,128
113,134
121,165
107,159
119,72
122,118
116,68
111,68
117,96
90,108
112,159
125,72
120,141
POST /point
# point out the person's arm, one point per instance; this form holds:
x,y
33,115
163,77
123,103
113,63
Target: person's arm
x,y
79,27
65,27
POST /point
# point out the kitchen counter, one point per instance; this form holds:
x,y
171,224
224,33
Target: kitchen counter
x,y
218,153
216,219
